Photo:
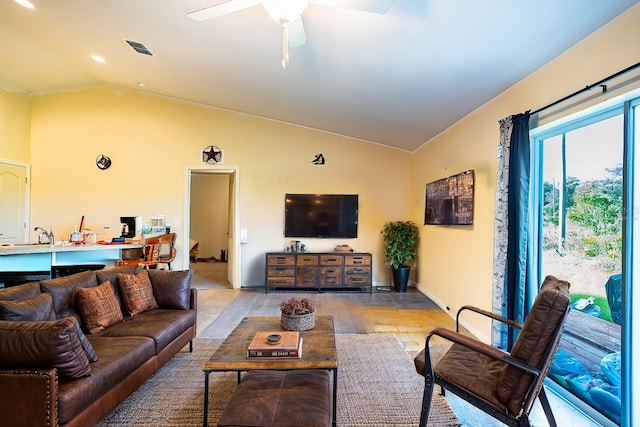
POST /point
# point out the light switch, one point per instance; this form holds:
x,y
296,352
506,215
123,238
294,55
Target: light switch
x,y
243,235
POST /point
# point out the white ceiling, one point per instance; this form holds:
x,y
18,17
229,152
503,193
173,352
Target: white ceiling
x,y
396,79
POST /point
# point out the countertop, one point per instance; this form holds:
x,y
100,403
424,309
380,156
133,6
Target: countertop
x,y
39,249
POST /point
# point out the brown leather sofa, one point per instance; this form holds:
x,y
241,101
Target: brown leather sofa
x,y
54,372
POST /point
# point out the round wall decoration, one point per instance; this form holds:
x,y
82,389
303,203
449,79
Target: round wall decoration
x,y
103,162
212,155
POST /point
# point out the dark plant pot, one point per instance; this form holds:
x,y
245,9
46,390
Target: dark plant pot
x,y
401,278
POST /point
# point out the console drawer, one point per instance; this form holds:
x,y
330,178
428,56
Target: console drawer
x,y
307,259
357,280
349,271
330,276
281,260
331,260
280,281
357,260
307,276
280,271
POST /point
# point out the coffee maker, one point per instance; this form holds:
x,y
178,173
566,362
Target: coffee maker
x,y
128,226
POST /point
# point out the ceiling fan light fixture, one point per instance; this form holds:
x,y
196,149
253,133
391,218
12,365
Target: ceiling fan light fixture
x,y
285,11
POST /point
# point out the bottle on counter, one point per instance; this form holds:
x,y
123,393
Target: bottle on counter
x,y
75,236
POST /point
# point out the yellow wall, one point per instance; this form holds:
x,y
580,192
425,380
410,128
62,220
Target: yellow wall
x,y
455,265
15,120
152,140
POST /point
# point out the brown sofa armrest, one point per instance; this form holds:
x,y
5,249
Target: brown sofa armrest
x,y
30,397
193,299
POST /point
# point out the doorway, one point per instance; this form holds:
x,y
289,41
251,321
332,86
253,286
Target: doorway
x,y
211,218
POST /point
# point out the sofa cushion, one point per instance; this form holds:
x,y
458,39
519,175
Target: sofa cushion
x,y
98,307
119,358
20,292
39,307
137,292
43,345
162,325
63,291
111,274
171,288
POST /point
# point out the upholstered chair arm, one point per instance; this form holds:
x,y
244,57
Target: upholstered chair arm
x,y
486,349
487,314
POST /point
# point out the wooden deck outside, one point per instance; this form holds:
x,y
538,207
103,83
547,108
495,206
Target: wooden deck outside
x,y
589,338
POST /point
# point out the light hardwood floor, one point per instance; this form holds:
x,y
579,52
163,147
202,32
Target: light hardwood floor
x,y
410,316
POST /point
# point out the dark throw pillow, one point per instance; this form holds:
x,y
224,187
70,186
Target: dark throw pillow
x,y
39,307
44,345
171,288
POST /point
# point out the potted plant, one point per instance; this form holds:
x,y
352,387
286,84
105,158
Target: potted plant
x,y
297,314
400,240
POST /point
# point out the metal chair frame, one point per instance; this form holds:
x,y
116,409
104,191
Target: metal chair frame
x,y
536,388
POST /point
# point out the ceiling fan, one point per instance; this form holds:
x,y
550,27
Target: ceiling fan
x,y
288,14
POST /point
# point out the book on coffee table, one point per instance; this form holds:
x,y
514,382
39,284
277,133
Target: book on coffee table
x,y
289,345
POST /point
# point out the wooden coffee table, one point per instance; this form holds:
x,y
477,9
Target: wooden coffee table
x,y
318,352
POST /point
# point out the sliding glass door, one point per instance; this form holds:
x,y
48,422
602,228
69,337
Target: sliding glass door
x,y
584,176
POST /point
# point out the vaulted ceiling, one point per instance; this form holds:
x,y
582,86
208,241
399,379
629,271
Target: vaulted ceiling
x,y
396,79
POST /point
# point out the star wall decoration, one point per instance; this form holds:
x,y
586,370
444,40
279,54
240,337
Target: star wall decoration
x,y
212,155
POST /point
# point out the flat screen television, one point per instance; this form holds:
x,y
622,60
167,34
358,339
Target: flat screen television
x,y
449,201
321,215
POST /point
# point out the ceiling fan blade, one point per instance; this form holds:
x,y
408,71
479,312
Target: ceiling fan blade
x,y
373,6
221,9
297,36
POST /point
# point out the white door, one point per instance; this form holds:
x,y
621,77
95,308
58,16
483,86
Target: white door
x,y
13,202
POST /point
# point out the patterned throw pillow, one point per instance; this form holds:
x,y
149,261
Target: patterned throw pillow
x,y
137,292
98,306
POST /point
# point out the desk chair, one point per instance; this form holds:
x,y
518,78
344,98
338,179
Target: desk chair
x,y
167,251
150,254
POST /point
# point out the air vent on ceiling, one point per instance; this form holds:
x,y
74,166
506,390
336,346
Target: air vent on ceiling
x,y
139,47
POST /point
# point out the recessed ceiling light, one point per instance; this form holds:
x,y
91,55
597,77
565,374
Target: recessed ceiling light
x,y
98,58
25,3
142,84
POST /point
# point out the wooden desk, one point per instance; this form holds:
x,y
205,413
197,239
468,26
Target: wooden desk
x,y
319,352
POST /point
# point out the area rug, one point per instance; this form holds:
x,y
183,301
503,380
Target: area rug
x,y
377,386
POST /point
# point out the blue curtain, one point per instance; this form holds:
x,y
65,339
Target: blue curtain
x,y
511,295
516,301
